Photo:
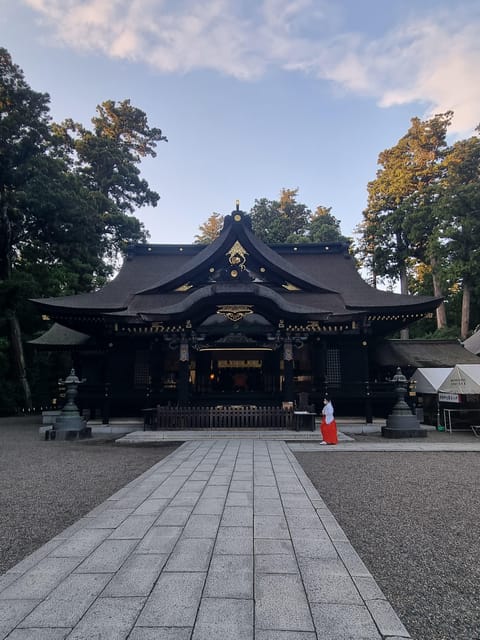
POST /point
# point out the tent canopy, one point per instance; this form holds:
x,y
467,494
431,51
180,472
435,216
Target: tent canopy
x,y
430,379
463,379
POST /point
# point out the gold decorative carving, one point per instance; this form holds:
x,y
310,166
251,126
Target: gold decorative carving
x,y
184,287
237,255
235,312
290,287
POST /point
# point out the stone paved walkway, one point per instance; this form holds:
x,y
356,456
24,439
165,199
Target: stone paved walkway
x,y
223,539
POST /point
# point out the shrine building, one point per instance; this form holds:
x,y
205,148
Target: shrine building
x,y
233,322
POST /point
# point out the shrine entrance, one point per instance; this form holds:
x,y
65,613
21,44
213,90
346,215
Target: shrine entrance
x,y
236,375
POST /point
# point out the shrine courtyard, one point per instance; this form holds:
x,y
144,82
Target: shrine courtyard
x,y
238,538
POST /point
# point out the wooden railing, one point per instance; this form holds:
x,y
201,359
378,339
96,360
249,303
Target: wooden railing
x,y
225,417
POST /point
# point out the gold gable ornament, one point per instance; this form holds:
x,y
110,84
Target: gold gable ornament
x,y
235,312
237,255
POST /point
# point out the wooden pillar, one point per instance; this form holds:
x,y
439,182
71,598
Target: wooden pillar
x,y
106,388
183,373
288,392
366,378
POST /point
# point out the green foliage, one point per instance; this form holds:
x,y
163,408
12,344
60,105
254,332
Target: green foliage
x,y
423,217
324,227
67,195
286,220
397,223
277,221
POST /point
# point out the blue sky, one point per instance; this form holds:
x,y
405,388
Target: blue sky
x,y
254,95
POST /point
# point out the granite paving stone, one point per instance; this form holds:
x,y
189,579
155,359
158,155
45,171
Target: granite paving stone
x,y
209,506
39,634
160,633
272,546
271,527
81,543
240,499
261,634
108,619
201,526
281,603
386,619
68,602
230,576
222,618
234,540
108,519
184,499
268,507
191,554
40,580
137,575
12,612
237,517
322,587
276,563
174,601
344,622
159,540
174,516
151,507
108,557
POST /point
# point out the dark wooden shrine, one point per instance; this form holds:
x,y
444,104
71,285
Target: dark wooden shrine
x,y
236,322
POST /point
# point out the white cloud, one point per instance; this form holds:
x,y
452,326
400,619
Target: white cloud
x,y
430,60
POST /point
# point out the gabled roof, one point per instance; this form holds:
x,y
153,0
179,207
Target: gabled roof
x,y
62,337
423,353
310,281
473,343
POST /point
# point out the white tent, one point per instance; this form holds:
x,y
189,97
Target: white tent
x,y
464,379
429,379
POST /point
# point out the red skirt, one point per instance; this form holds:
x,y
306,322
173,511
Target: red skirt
x,y
329,432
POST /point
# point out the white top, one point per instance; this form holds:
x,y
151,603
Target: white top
x,y
327,411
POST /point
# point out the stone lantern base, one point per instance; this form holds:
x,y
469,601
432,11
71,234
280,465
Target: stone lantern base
x,y
404,426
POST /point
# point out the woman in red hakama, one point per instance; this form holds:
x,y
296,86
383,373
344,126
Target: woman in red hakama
x,y
328,426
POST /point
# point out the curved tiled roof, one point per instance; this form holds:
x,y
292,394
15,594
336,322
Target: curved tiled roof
x,y
311,280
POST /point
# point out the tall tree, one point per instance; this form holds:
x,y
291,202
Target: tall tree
x,y
106,158
407,172
459,202
325,227
24,134
210,229
66,199
282,220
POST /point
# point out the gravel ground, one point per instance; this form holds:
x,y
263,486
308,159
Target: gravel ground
x,y
46,486
414,520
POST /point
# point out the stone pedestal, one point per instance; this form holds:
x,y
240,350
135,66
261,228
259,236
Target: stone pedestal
x,y
70,425
401,423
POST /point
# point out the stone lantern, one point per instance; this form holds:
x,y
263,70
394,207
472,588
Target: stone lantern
x,y
401,423
70,424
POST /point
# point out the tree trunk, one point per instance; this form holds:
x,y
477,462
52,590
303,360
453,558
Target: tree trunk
x,y
404,333
19,358
437,292
5,275
465,323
